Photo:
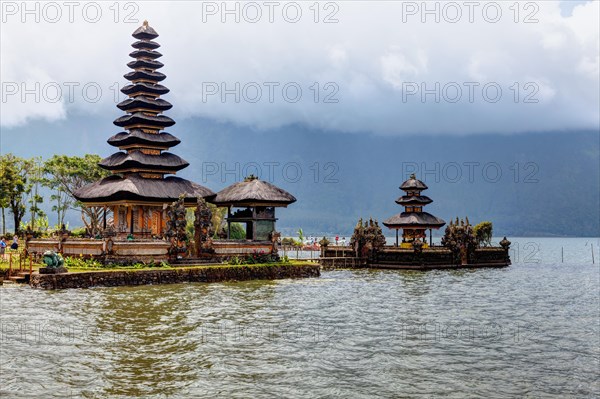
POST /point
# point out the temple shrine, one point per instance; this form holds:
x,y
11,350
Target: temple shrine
x,y
255,201
413,221
141,184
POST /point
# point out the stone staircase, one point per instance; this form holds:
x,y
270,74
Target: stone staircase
x,y
18,278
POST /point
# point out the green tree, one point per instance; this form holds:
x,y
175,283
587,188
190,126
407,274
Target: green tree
x,y
237,232
15,187
483,233
65,174
35,179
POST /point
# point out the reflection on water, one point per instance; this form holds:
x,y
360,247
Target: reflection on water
x,y
528,330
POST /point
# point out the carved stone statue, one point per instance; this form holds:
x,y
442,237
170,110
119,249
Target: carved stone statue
x,y
274,237
367,238
460,239
203,230
176,225
54,263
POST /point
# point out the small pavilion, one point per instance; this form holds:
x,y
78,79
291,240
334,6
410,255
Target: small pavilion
x,y
413,221
255,201
138,191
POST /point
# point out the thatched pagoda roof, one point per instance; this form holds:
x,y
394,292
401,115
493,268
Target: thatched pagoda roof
x,y
145,44
145,32
143,88
139,170
140,118
253,192
146,75
413,184
134,188
139,137
144,102
422,220
414,200
145,63
138,160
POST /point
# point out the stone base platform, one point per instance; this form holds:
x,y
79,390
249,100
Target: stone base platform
x,y
202,274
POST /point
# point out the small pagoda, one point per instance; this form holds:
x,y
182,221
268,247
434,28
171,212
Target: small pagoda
x,y
413,221
139,188
255,201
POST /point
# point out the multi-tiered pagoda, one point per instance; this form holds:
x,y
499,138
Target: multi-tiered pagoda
x,y
413,221
139,187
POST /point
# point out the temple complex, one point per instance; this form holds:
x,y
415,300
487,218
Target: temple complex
x,y
255,201
141,184
413,221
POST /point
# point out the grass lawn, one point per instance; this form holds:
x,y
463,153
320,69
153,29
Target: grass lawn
x,y
135,268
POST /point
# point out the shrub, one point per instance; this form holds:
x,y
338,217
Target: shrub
x,y
79,262
80,232
483,233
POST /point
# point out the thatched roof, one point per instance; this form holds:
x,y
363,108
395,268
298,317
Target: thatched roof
x,y
157,104
139,160
145,63
145,45
137,136
253,192
414,220
146,75
135,188
413,184
144,87
145,32
139,118
414,200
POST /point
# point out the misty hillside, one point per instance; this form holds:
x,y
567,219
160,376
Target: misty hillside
x,y
527,184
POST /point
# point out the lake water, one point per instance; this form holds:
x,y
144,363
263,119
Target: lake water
x,y
530,330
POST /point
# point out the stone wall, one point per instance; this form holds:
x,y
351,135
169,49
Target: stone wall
x,y
231,248
105,250
491,255
205,274
401,258
122,252
343,262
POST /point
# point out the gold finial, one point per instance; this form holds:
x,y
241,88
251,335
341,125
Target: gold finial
x,y
145,22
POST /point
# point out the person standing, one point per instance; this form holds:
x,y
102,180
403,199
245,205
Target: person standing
x,y
2,247
15,243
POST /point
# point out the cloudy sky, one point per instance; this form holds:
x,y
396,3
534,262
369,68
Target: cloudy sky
x,y
388,67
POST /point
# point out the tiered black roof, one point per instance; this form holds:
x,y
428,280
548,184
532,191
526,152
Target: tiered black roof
x,y
413,198
138,172
137,137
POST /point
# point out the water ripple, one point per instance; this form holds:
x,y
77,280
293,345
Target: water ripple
x,y
525,331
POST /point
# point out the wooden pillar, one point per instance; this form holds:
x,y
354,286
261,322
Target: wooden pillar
x,y
131,220
141,218
115,210
253,223
228,222
396,237
430,238
104,220
160,222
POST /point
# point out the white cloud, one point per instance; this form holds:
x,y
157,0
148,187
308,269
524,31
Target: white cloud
x,y
370,56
